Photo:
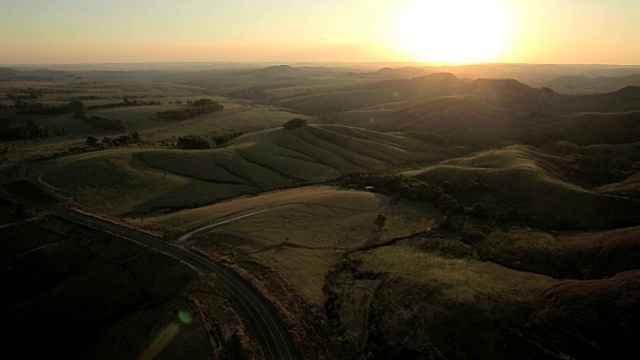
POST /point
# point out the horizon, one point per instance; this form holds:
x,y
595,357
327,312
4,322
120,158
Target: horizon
x,y
314,63
249,31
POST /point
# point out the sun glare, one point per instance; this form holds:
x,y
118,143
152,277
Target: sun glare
x,y
455,30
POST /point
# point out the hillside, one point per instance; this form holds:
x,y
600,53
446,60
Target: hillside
x,y
488,111
589,128
375,93
465,118
583,84
524,185
154,180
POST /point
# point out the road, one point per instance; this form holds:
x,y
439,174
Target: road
x,y
258,314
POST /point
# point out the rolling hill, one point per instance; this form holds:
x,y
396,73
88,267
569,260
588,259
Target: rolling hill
x,y
522,184
590,128
134,181
583,84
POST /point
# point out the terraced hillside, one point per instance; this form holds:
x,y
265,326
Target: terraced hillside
x,y
135,181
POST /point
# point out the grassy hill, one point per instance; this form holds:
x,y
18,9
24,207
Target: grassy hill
x,y
583,84
133,181
472,307
465,118
590,128
375,93
523,184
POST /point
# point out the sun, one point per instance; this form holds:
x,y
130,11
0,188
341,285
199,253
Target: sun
x,y
453,31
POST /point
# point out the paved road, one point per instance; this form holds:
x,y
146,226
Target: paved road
x,y
259,315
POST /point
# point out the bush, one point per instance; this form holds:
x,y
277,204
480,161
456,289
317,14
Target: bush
x,y
406,187
203,102
104,124
183,114
193,142
295,124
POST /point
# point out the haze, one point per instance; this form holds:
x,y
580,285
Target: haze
x,y
546,31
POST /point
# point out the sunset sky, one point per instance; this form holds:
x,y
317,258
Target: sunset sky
x,y
523,31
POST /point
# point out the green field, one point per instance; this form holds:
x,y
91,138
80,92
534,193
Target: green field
x,y
302,233
155,180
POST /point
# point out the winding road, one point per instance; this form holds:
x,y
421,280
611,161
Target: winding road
x,y
259,315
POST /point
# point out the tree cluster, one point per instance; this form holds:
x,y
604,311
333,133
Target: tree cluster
x,y
219,140
203,102
193,142
105,124
37,108
28,93
96,122
107,142
125,102
410,188
190,112
29,130
295,124
405,186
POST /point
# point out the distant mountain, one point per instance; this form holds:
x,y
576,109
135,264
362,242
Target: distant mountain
x,y
587,85
405,72
376,93
495,110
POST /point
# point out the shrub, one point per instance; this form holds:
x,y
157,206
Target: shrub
x,y
203,102
183,114
193,142
295,123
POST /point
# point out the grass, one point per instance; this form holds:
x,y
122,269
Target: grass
x,y
263,161
105,183
522,184
110,87
591,255
304,231
304,269
461,280
319,195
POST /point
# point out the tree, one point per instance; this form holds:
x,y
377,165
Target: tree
x,y
380,221
136,137
295,123
203,102
81,111
92,141
193,142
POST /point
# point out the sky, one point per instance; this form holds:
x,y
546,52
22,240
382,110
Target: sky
x,y
520,31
